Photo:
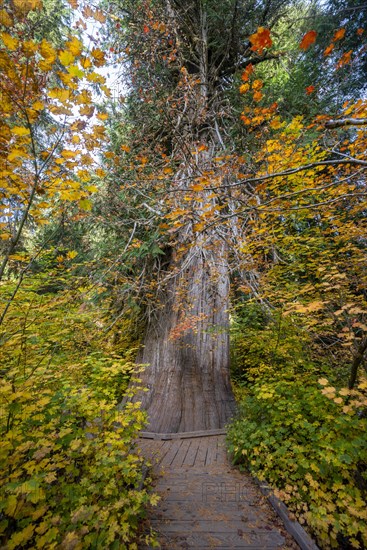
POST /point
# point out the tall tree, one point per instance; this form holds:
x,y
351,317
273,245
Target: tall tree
x,y
181,62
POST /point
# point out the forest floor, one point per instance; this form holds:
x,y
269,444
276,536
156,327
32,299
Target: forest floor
x,y
205,502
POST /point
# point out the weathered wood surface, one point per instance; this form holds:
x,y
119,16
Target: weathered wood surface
x,y
205,503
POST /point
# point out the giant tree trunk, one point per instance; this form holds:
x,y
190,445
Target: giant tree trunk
x,y
186,346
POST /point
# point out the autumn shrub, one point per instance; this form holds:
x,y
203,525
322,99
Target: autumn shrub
x,y
71,476
261,338
308,440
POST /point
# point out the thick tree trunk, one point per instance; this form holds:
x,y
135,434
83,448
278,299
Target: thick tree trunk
x,y
186,347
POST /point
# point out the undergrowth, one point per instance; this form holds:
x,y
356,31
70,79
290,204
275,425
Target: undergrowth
x,y
71,476
301,432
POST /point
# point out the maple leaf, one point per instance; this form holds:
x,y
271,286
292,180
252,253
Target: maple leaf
x,y
339,34
99,16
329,49
257,96
246,73
5,18
244,88
75,46
66,58
260,40
9,42
310,90
345,59
308,39
360,31
146,29
99,58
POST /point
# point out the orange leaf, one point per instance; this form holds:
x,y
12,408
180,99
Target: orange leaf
x,y
125,148
339,35
329,49
257,96
246,73
310,90
360,31
257,84
244,88
345,59
308,39
98,55
260,40
146,29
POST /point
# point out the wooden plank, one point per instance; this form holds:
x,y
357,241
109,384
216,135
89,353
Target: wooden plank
x,y
181,455
293,527
222,457
202,451
182,435
211,455
172,451
191,453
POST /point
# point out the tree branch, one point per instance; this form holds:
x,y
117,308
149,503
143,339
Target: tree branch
x,y
346,122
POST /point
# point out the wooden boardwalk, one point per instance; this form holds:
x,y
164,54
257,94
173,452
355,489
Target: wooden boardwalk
x,y
205,502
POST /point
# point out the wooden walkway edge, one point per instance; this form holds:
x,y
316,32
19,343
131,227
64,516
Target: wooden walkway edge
x,y
207,503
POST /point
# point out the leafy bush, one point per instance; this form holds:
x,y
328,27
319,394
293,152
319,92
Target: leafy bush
x,y
71,477
310,444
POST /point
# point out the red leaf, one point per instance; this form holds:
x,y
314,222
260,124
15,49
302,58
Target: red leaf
x,y
310,90
308,39
146,29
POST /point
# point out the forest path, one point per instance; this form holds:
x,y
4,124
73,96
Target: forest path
x,y
204,501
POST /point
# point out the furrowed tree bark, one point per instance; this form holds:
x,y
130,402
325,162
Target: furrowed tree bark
x,y
186,347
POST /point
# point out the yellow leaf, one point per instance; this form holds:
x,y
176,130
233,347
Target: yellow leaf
x,y
72,254
29,47
38,106
67,154
11,506
85,204
66,58
75,46
60,94
98,56
47,51
5,19
20,131
102,116
16,154
86,110
75,71
8,41
28,5
244,88
84,97
199,226
85,63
